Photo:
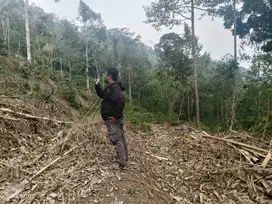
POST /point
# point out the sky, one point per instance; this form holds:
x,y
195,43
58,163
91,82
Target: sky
x,y
130,13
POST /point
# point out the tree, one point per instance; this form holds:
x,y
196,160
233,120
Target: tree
x,y
253,18
93,30
171,49
228,10
173,13
10,16
28,46
254,110
129,56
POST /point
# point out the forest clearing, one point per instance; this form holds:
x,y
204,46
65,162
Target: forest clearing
x,y
46,161
199,129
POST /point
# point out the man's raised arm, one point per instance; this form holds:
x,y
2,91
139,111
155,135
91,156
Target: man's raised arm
x,y
99,91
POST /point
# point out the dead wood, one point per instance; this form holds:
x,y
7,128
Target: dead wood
x,y
266,160
10,96
164,165
9,118
13,191
28,116
234,142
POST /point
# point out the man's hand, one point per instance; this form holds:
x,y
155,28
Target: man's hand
x,y
97,80
113,120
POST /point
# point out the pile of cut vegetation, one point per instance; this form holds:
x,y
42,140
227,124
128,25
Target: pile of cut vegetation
x,y
50,156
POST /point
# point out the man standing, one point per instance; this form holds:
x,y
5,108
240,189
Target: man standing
x,y
112,108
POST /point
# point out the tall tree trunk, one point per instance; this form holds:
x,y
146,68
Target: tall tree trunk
x,y
70,69
217,112
8,34
96,66
28,48
129,87
19,47
267,118
188,104
195,63
259,88
61,71
181,105
117,60
222,112
4,30
171,108
234,77
87,69
119,66
115,48
139,97
51,60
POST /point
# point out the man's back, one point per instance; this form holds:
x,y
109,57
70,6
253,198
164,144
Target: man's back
x,y
113,101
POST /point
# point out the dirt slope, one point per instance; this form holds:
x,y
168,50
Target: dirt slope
x,y
42,161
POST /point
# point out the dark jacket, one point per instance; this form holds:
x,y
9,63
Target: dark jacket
x,y
113,101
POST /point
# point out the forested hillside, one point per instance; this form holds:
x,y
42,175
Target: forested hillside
x,y
161,80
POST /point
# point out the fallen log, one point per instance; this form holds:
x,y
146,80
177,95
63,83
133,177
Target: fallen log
x,y
9,118
28,116
10,96
236,143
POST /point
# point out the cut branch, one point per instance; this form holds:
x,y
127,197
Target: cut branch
x,y
236,143
9,118
6,110
10,96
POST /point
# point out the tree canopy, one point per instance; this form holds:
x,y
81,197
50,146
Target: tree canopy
x,y
253,19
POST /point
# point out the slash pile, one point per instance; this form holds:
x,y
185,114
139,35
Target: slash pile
x,y
46,158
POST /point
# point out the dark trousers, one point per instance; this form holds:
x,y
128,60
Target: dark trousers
x,y
116,136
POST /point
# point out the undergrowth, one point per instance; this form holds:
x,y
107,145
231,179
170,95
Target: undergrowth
x,y
142,118
30,83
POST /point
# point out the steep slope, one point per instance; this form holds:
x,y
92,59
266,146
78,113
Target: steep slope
x,y
17,80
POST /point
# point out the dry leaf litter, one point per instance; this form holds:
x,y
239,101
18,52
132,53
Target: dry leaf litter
x,y
54,161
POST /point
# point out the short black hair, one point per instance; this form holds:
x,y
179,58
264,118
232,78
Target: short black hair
x,y
113,72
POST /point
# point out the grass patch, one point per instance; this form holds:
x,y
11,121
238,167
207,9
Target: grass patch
x,y
69,94
141,118
40,96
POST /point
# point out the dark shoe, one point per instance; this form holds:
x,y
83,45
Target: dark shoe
x,y
122,166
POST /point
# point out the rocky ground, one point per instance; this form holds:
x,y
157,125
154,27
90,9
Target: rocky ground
x,y
48,155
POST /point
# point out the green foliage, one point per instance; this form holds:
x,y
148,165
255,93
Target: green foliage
x,y
70,95
167,13
40,96
87,14
141,117
253,18
171,49
176,122
160,81
254,109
